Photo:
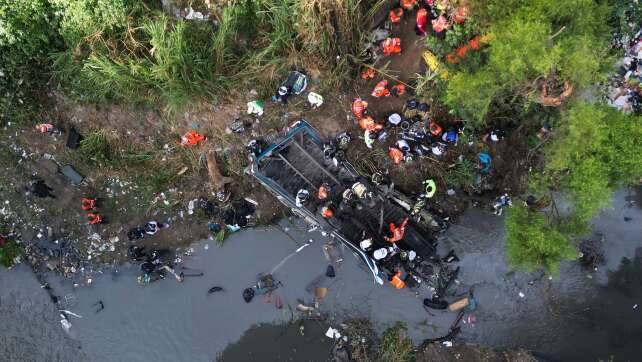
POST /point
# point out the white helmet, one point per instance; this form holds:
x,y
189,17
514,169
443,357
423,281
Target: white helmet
x,y
380,253
283,91
365,244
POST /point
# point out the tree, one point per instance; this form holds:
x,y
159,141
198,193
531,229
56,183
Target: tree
x,y
532,243
531,41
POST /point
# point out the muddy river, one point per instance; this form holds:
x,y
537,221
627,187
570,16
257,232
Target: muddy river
x,y
576,316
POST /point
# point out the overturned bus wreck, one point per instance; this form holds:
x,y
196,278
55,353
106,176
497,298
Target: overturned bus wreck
x,y
329,193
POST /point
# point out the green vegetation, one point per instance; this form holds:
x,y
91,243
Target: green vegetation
x,y
395,345
8,252
532,243
97,150
26,36
527,48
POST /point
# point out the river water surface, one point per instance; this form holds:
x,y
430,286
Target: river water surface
x,y
576,316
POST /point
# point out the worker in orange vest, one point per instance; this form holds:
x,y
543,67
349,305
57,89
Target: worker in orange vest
x,y
397,281
368,123
94,219
326,211
396,155
87,204
359,107
380,89
408,4
397,231
323,192
391,46
368,73
440,24
192,138
435,128
422,21
398,90
395,15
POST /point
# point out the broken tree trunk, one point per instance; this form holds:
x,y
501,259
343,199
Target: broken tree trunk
x,y
218,181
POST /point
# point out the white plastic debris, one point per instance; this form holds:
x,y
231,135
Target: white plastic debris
x,y
332,333
447,343
635,306
521,295
66,325
207,246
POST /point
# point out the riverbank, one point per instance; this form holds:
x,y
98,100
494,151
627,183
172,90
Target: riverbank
x,y
577,316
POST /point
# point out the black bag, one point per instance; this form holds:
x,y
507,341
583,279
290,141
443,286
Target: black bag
x,y
73,138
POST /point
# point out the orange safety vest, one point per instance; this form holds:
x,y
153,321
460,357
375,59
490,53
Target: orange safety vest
x,y
397,282
391,46
422,20
94,218
44,127
358,107
368,73
459,14
395,15
323,193
435,128
396,155
380,89
408,4
397,231
326,212
87,204
398,90
192,138
369,124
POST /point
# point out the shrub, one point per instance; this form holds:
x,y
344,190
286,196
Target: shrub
x,y
532,243
395,345
8,253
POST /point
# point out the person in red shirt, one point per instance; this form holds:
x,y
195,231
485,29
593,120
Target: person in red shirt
x,y
380,89
397,231
422,21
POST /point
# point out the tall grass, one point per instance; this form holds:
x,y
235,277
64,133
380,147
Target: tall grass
x,y
157,61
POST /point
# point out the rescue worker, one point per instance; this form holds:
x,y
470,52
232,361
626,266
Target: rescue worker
x,y
391,46
397,281
410,109
380,89
395,15
408,4
45,127
398,90
192,138
152,227
450,136
439,25
438,148
87,204
94,219
369,138
421,22
368,74
495,135
459,14
500,202
324,190
397,231
434,128
395,154
302,197
359,107
326,211
368,123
